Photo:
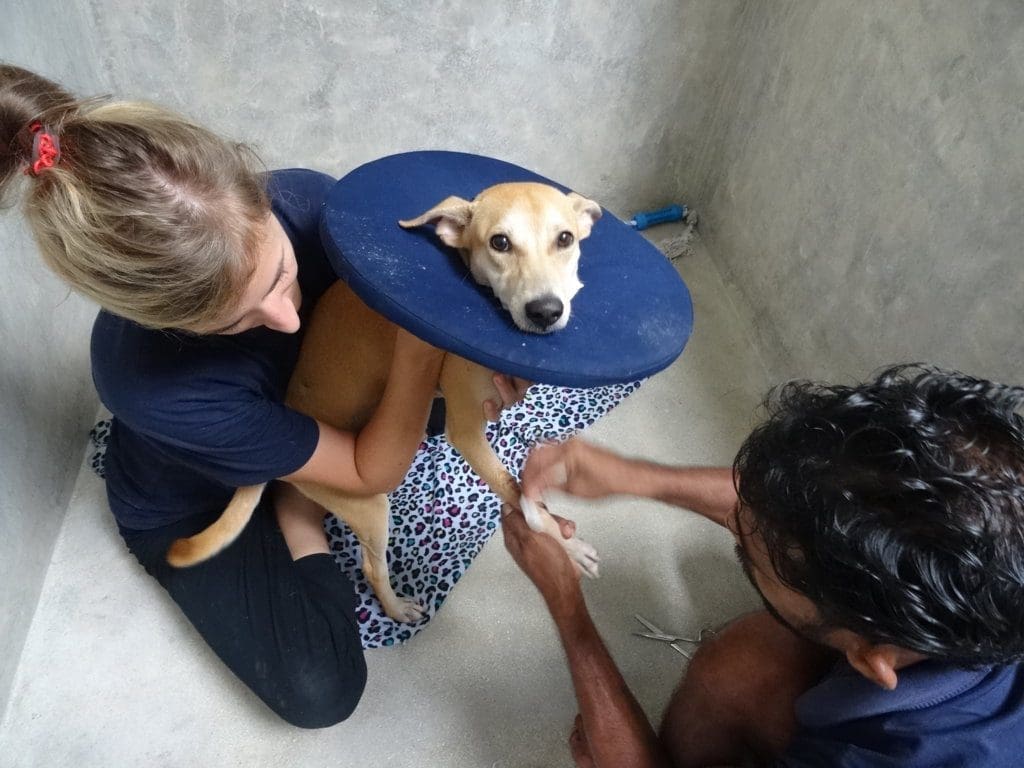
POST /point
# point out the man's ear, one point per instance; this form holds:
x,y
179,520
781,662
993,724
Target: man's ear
x,y
878,663
452,215
587,212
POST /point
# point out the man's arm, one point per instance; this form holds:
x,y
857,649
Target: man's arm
x,y
585,470
616,729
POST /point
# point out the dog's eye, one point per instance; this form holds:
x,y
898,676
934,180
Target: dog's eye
x,y
565,239
501,243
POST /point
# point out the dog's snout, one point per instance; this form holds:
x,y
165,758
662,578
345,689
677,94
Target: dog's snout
x,y
544,312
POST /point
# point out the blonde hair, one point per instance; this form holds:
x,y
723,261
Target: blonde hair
x,y
151,216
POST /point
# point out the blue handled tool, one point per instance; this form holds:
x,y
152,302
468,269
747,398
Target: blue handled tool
x,y
646,219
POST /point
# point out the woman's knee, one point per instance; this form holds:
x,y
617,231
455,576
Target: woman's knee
x,y
314,699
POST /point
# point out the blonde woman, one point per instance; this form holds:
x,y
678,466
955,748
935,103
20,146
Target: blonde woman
x,y
205,268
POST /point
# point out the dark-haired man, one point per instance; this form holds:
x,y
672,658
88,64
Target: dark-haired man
x,y
883,526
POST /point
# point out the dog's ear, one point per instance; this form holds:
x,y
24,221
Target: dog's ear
x,y
452,215
587,212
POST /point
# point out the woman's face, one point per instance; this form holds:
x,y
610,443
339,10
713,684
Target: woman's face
x,y
272,298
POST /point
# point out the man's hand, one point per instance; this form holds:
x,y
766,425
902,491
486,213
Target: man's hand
x,y
544,560
617,731
574,467
512,390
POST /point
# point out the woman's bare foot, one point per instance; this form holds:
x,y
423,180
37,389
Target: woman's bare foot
x,y
579,746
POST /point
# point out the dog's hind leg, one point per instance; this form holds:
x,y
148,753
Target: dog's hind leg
x,y
466,386
369,518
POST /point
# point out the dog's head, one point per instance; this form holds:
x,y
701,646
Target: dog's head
x,y
522,241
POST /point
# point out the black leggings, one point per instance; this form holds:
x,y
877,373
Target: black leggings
x,y
286,628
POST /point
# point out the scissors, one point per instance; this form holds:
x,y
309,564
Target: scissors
x,y
653,633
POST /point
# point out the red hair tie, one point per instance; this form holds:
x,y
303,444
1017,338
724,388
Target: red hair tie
x,y
45,149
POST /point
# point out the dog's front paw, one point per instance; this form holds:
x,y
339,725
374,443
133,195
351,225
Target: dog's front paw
x,y
584,555
405,609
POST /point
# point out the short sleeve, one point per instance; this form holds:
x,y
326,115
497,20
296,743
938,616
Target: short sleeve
x,y
228,433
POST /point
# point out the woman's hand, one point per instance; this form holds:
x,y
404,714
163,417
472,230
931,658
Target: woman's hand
x,y
512,390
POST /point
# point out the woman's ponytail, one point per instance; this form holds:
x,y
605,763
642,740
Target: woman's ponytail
x,y
151,216
25,99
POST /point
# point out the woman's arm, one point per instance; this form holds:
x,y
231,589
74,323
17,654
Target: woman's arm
x,y
375,459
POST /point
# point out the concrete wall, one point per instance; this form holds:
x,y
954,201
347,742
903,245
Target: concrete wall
x,y
861,178
583,91
46,396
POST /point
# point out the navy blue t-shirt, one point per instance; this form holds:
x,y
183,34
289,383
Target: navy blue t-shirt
x,y
938,716
197,416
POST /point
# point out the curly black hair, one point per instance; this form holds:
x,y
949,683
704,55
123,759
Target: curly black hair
x,y
897,507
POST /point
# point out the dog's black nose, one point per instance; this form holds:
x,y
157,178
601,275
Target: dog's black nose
x,y
544,312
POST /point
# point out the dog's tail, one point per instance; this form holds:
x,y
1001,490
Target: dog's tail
x,y
223,531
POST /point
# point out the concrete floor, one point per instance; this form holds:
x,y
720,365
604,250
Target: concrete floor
x,y
111,675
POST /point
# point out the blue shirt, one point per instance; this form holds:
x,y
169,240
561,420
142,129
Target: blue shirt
x,y
938,716
197,416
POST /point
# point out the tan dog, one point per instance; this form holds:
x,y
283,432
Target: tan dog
x,y
521,240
